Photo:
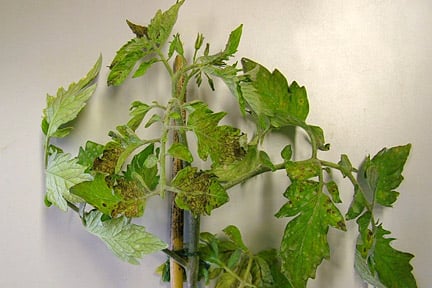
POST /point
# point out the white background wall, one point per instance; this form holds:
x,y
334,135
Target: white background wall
x,y
367,66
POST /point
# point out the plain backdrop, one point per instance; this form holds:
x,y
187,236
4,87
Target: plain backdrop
x,y
367,67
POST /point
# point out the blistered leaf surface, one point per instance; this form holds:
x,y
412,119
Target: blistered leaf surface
x,y
199,191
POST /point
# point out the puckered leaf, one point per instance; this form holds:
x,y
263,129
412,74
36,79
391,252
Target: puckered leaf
x,y
304,244
270,97
199,192
222,143
384,264
129,242
65,106
62,173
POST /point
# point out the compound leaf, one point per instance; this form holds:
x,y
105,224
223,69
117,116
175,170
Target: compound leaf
x,y
129,242
62,173
304,244
66,105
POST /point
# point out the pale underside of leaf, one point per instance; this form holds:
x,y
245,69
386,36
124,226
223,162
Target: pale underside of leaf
x,y
62,173
129,242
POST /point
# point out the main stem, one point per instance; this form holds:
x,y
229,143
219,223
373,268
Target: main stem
x,y
177,216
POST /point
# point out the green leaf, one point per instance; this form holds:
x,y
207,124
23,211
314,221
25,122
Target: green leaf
x,y
98,194
227,280
180,151
391,266
143,67
271,99
233,41
66,105
286,153
261,273
221,143
122,197
62,173
304,244
200,192
138,111
229,76
345,165
129,242
153,119
129,142
303,170
234,259
162,24
366,238
239,168
318,135
389,164
139,171
219,59
358,204
333,190
234,234
126,59
90,153
274,263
